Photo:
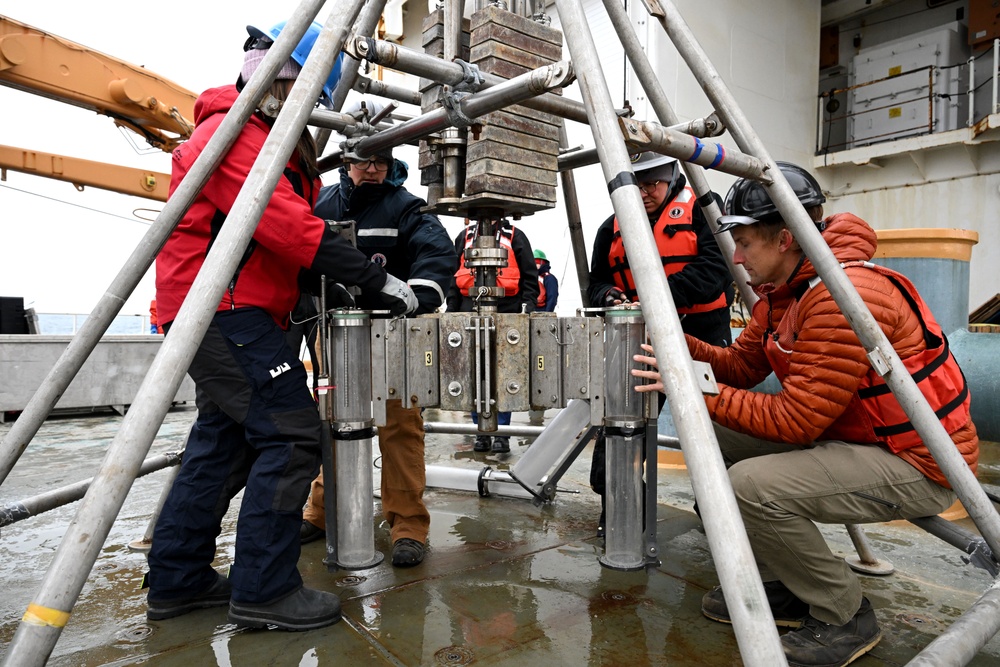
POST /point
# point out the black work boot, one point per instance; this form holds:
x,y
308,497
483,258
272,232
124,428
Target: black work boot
x,y
818,644
215,595
483,443
788,611
501,444
310,533
302,609
407,552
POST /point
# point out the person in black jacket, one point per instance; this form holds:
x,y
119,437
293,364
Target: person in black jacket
x,y
520,282
697,274
414,247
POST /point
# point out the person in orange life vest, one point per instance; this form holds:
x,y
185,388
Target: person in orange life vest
x,y
548,284
833,445
520,282
257,429
697,273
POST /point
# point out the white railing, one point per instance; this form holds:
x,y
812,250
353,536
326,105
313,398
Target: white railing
x,y
981,97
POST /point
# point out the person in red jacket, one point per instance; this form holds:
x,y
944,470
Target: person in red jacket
x,y
833,445
257,428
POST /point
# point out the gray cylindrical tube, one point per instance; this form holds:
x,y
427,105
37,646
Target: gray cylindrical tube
x,y
351,404
624,430
485,481
534,465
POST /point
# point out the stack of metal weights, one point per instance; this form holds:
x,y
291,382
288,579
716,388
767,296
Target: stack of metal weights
x,y
511,155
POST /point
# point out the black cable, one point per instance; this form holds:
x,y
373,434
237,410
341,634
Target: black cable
x,y
86,208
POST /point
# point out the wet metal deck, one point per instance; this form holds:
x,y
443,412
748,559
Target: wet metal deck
x,y
504,582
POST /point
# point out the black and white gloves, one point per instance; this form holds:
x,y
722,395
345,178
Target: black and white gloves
x,y
398,296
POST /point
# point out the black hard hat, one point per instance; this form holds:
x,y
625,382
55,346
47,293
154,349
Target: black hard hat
x,y
748,197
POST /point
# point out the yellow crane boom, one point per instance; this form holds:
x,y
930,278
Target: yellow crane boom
x,y
40,63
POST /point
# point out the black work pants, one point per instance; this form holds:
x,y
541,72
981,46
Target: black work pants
x,y
258,428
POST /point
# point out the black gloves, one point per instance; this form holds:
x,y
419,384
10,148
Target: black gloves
x,y
614,297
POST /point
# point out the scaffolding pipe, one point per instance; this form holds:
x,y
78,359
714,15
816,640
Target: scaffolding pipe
x,y
960,643
866,561
880,352
366,25
331,120
665,112
50,609
582,157
85,340
567,181
420,64
523,431
654,137
43,502
368,86
512,91
143,544
702,127
752,619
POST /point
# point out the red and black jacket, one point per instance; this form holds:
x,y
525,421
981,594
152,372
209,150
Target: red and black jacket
x,y
288,237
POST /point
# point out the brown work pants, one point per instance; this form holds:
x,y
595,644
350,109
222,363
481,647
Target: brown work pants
x,y
401,442
784,490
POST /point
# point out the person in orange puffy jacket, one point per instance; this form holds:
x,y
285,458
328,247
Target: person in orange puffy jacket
x,y
833,445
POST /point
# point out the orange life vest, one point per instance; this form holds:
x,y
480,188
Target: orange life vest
x,y
509,278
677,242
874,414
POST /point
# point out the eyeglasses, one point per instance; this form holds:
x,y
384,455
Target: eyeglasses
x,y
378,163
649,188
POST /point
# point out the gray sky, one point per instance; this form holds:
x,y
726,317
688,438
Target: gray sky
x,y
62,248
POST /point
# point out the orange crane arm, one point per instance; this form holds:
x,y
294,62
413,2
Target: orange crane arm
x,y
125,180
37,62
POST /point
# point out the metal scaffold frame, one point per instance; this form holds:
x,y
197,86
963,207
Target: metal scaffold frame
x,y
752,620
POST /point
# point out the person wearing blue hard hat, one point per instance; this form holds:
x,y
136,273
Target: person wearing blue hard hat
x,y
257,429
260,41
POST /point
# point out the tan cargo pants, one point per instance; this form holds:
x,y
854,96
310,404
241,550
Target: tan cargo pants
x,y
784,490
401,442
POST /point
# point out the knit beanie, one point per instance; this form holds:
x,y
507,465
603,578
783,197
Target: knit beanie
x,y
253,58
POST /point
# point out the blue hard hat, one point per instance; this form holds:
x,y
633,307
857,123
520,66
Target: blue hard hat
x,y
301,52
